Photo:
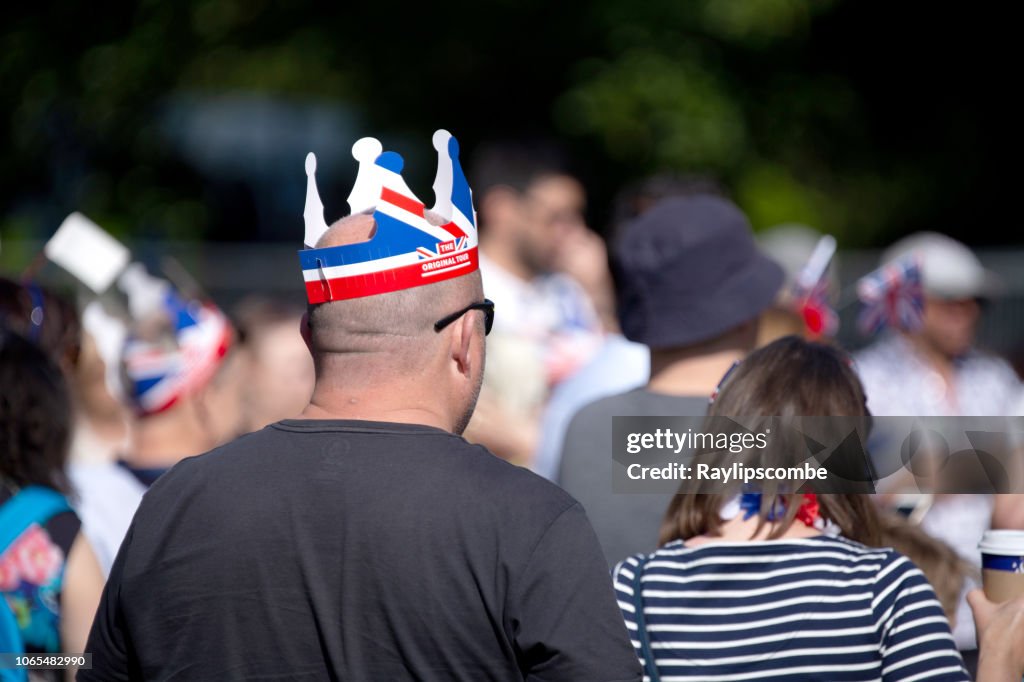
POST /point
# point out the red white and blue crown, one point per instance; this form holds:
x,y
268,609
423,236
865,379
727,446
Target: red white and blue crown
x,y
406,250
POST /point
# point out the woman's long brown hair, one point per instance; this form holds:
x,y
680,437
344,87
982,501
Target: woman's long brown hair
x,y
788,377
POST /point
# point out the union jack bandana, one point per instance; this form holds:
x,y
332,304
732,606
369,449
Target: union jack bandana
x,y
892,296
406,250
749,505
156,375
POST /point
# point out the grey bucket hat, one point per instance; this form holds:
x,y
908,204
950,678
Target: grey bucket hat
x,y
688,270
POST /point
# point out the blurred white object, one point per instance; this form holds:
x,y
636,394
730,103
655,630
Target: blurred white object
x,y
109,333
313,215
365,192
146,294
82,248
818,263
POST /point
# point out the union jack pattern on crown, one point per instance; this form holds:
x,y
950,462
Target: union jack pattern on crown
x,y
407,250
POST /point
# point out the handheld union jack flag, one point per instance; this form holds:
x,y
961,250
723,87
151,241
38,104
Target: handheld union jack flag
x,y
892,296
820,318
810,291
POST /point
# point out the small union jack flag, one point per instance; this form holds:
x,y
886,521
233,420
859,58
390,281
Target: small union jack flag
x,y
810,291
815,308
892,296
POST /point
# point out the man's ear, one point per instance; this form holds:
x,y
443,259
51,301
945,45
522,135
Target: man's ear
x,y
464,329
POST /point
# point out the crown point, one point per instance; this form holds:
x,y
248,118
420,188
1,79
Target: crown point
x,y
392,161
440,139
366,149
310,163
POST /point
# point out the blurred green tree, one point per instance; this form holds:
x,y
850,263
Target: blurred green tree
x,y
864,119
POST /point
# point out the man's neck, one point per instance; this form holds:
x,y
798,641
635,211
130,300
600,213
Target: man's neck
x,y
675,373
375,406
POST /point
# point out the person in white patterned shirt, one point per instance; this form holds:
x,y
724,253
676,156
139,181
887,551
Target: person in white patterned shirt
x,y
937,371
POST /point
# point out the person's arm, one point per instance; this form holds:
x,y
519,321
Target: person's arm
x,y
914,636
584,257
109,641
1000,638
566,622
80,595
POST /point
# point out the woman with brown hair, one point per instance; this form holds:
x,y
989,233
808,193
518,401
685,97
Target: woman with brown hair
x,y
777,584
50,581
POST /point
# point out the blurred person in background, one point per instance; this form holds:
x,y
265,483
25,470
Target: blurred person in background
x,y
183,387
774,585
619,364
100,422
50,580
46,319
691,286
945,570
790,245
937,371
101,431
547,273
274,361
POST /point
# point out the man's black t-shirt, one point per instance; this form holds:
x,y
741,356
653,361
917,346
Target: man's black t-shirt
x,y
347,550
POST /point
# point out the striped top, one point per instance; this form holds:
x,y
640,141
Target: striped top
x,y
817,608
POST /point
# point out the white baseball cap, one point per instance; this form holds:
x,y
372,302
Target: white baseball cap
x,y
949,269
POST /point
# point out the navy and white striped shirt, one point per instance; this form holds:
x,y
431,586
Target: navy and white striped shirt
x,y
817,608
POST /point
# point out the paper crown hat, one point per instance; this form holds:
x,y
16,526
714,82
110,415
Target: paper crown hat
x,y
154,372
407,250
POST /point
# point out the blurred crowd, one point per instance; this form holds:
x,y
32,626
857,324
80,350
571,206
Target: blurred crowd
x,y
99,396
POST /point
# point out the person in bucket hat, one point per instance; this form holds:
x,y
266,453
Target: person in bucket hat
x,y
691,284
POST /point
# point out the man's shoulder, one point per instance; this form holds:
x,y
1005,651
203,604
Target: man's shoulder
x,y
462,465
244,445
503,480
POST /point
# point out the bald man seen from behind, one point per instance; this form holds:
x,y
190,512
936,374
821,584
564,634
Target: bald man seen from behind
x,y
366,539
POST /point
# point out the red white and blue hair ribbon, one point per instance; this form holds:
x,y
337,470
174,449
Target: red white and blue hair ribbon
x,y
892,296
407,250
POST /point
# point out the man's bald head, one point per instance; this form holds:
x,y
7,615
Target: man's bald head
x,y
379,357
400,320
353,229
